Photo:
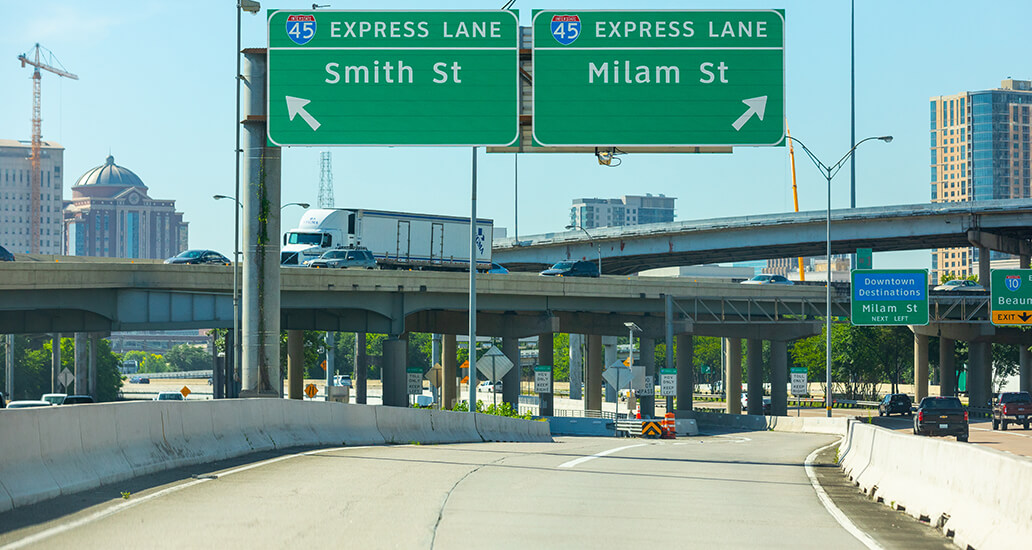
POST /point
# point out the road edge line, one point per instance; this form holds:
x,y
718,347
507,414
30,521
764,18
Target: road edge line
x,y
830,506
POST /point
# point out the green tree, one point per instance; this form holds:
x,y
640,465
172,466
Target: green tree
x,y
32,368
185,357
855,365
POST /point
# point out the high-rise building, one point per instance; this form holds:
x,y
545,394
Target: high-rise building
x,y
629,210
980,149
110,214
16,196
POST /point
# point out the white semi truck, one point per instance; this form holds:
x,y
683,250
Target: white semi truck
x,y
398,240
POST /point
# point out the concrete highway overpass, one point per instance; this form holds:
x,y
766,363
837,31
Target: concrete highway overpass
x,y
1002,225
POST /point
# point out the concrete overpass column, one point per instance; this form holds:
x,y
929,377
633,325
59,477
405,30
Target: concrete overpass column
x,y
9,356
55,361
920,366
545,358
593,374
685,372
778,377
983,266
987,374
733,376
576,366
978,391
511,380
260,198
754,375
947,367
647,356
450,382
395,385
1023,261
609,345
93,366
1025,368
295,364
361,368
82,374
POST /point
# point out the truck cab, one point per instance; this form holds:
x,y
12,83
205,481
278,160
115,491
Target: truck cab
x,y
318,231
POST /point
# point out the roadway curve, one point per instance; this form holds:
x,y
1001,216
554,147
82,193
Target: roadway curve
x,y
743,490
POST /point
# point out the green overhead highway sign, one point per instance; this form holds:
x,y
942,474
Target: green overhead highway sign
x,y
393,78
659,78
1011,296
889,297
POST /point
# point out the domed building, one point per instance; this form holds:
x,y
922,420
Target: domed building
x,y
110,214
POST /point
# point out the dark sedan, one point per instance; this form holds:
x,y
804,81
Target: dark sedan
x,y
5,255
941,416
579,268
198,257
895,403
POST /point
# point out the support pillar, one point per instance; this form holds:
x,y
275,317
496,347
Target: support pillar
x,y
93,367
754,375
920,367
593,374
361,368
576,366
978,391
55,361
331,360
609,347
395,384
778,377
1025,368
647,356
983,267
685,372
546,352
947,367
987,381
295,364
450,382
9,379
82,373
435,359
733,376
511,380
260,190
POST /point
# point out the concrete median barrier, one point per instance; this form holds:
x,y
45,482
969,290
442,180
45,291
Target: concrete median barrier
x,y
198,429
832,426
400,425
453,427
62,452
355,424
100,442
979,495
500,428
576,425
24,477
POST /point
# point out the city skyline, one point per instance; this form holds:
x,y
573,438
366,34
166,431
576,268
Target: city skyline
x,y
174,132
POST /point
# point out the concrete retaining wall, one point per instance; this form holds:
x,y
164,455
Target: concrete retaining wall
x,y
833,426
47,452
576,425
984,492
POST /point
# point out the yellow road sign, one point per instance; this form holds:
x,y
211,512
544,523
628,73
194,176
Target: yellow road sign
x,y
185,391
311,390
651,429
1019,317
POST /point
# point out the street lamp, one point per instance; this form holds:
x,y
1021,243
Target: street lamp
x,y
829,172
301,204
631,329
592,242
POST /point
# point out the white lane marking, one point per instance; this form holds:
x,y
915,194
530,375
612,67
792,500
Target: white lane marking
x,y
133,501
835,512
584,459
1001,431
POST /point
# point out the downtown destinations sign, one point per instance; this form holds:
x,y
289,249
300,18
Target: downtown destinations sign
x,y
889,297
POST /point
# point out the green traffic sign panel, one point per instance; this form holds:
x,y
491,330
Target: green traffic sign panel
x,y
393,78
1010,296
889,297
659,78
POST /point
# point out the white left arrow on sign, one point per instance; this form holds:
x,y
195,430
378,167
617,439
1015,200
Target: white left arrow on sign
x,y
296,106
757,106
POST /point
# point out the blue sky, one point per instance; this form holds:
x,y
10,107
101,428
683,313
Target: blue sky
x,y
156,90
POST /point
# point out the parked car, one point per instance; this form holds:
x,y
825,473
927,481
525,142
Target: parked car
x,y
895,403
3,400
489,386
497,269
139,380
54,398
28,403
5,255
1012,406
764,279
941,416
77,400
342,380
960,285
571,268
745,403
169,396
198,257
344,258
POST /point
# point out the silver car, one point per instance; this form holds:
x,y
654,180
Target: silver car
x,y
765,279
344,257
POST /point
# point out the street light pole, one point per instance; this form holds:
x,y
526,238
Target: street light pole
x,y
829,173
592,242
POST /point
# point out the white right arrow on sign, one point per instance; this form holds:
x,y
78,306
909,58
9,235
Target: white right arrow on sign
x,y
757,105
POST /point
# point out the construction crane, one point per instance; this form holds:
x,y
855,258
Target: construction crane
x,y
37,136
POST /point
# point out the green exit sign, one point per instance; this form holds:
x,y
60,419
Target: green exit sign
x,y
393,78
659,78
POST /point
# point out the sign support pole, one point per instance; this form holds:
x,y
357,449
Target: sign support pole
x,y
473,289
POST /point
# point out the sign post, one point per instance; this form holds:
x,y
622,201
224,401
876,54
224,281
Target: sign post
x,y
1011,296
393,78
889,297
659,78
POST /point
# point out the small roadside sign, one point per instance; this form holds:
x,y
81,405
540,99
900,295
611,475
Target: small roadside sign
x,y
185,391
618,375
668,382
66,377
415,380
311,390
799,385
1011,296
864,258
543,379
651,429
648,389
494,364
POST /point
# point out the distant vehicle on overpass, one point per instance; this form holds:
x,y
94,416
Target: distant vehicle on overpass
x,y
764,279
5,255
198,257
581,268
960,285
